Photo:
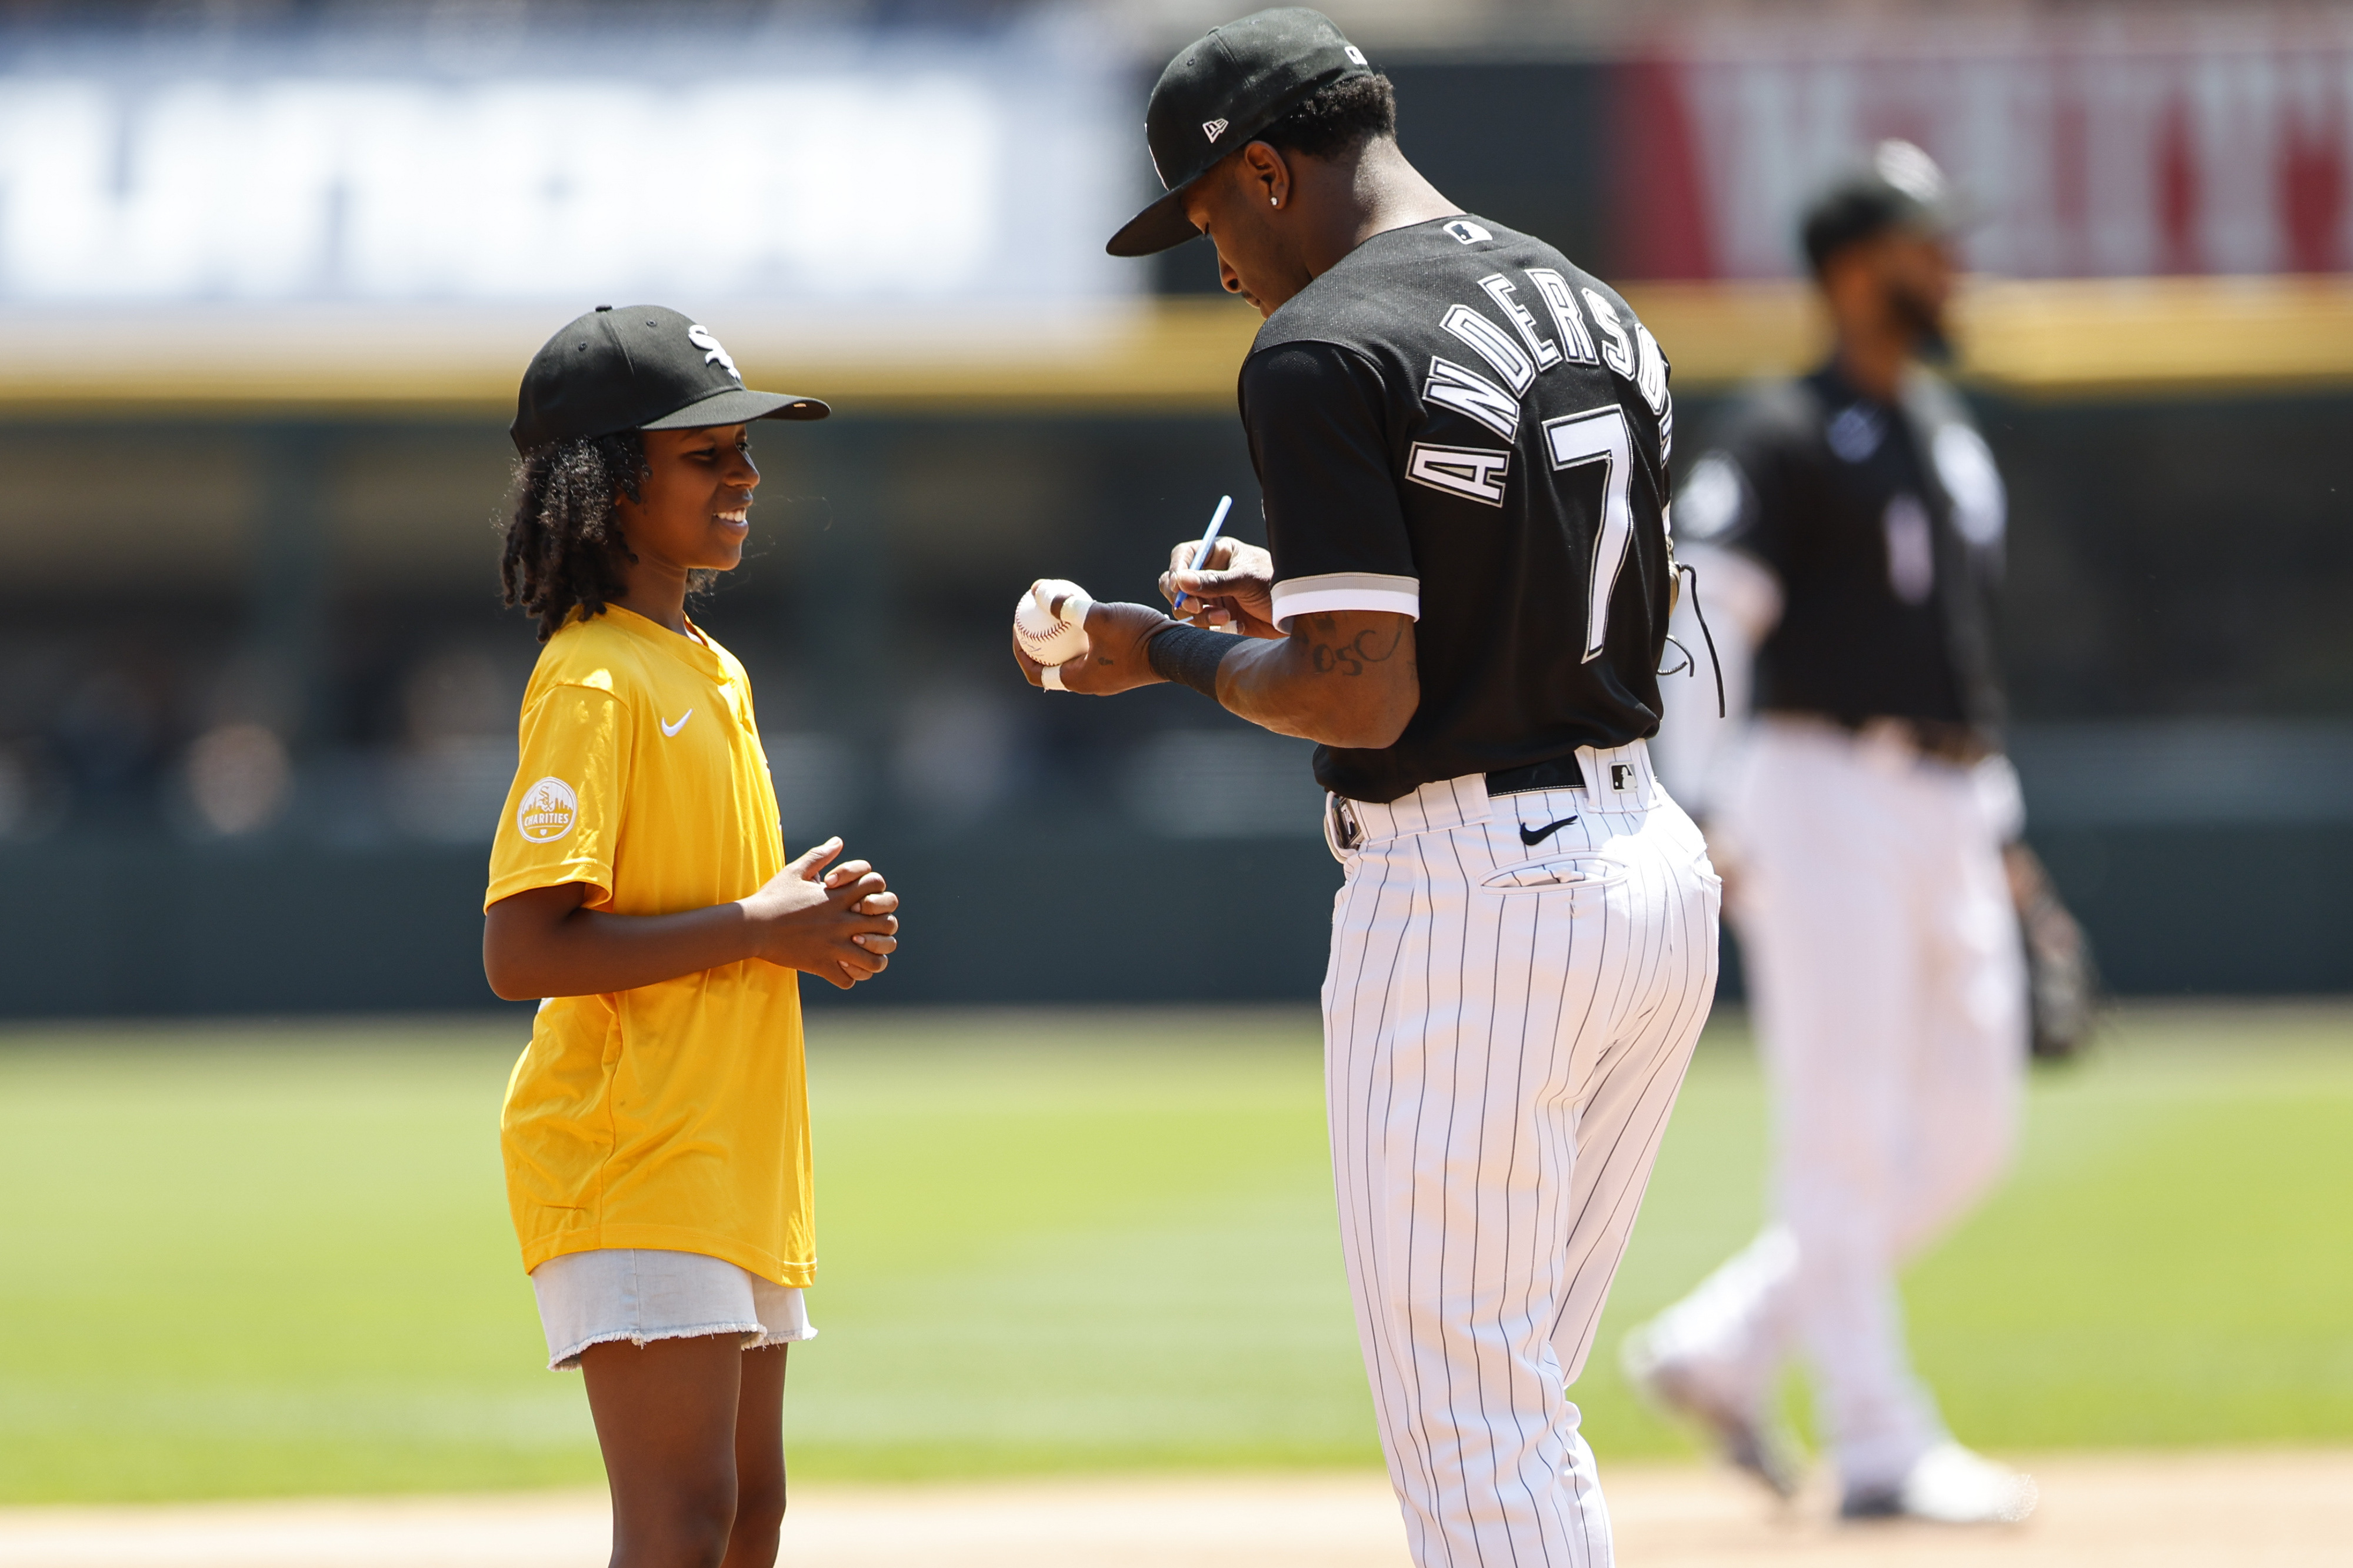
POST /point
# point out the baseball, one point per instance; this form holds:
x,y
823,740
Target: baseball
x,y
1047,637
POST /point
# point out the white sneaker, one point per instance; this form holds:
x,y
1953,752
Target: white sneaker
x,y
1749,1442
1949,1484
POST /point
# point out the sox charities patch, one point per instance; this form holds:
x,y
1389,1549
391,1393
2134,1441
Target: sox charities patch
x,y
547,812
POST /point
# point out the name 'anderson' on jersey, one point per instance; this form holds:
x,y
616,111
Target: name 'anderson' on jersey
x,y
1456,424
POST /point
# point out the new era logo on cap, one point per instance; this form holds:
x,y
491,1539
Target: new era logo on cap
x,y
1213,129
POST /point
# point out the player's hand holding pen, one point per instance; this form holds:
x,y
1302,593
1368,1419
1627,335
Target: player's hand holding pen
x,y
836,925
1232,585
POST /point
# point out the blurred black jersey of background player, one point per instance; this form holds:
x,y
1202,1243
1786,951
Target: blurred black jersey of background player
x,y
1456,413
1883,524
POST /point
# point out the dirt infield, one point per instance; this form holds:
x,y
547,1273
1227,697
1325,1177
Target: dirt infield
x,y
2290,1509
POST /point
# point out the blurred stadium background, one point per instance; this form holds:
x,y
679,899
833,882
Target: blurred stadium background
x,y
268,272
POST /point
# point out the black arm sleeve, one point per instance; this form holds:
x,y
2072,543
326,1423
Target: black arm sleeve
x,y
1190,656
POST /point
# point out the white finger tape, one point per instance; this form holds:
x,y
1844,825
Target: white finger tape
x,y
1051,677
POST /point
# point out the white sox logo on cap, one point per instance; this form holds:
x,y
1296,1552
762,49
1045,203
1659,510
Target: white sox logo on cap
x,y
1213,129
700,336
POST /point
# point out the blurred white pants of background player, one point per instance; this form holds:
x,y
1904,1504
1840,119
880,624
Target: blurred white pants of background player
x,y
1884,966
1502,1052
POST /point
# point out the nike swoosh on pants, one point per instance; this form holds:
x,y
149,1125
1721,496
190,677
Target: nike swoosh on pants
x,y
1531,836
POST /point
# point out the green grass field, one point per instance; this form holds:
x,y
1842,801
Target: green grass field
x,y
276,1261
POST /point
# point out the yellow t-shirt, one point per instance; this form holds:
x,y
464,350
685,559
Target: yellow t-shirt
x,y
675,1115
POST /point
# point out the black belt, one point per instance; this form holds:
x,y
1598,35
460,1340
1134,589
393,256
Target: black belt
x,y
1960,744
1556,772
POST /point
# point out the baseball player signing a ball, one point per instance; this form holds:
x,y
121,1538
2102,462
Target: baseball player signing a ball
x,y
1849,527
1461,440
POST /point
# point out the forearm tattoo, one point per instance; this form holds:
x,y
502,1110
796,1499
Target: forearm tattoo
x,y
1332,653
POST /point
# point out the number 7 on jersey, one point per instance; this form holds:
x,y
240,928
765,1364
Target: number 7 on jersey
x,y
1599,436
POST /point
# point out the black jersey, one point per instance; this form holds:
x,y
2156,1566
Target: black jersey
x,y
1883,524
1457,424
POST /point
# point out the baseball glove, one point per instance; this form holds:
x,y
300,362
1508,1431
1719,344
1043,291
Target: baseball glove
x,y
2063,983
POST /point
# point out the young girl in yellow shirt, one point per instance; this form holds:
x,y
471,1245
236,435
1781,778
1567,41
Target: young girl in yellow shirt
x,y
656,1130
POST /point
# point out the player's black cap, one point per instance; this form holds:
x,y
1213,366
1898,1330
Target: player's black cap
x,y
1218,93
1901,187
640,367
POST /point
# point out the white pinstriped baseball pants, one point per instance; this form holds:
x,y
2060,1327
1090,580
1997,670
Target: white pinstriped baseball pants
x,y
1505,1028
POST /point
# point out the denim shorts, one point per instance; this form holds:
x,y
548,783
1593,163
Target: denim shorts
x,y
639,1294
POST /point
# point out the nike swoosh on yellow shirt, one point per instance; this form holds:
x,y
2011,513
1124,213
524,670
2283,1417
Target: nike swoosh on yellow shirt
x,y
669,729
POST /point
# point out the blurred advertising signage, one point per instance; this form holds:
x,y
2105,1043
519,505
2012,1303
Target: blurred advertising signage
x,y
886,180
2102,151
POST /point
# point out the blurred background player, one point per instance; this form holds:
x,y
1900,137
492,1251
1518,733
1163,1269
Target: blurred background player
x,y
656,1130
1848,529
1457,432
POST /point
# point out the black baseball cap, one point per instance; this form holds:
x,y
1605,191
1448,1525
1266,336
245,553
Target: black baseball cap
x,y
1218,93
1900,187
640,367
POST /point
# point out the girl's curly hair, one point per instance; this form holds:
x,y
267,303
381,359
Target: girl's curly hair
x,y
563,536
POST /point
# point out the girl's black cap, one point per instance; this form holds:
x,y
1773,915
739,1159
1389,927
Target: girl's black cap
x,y
640,367
1218,93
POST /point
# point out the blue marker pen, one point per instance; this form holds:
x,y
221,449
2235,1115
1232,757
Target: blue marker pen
x,y
1225,505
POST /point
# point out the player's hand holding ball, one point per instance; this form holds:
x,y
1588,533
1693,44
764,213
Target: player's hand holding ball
x,y
836,925
1050,624
1064,641
1234,586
